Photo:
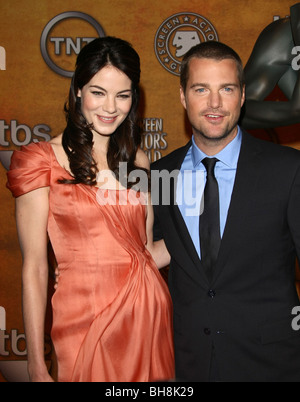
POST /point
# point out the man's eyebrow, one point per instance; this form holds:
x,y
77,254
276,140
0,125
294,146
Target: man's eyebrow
x,y
200,84
206,85
231,84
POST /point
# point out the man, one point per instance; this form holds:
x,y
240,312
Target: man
x,y
232,304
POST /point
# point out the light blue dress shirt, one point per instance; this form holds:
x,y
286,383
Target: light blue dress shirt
x,y
192,179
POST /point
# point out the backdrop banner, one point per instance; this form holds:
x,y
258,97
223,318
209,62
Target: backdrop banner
x,y
39,42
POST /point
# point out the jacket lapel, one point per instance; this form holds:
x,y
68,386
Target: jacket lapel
x,y
247,175
177,218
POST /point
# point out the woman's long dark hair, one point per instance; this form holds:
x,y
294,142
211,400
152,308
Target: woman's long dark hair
x,y
77,138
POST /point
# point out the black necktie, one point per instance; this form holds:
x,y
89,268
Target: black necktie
x,y
209,229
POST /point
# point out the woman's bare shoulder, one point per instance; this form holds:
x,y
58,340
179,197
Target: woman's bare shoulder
x,y
57,140
56,143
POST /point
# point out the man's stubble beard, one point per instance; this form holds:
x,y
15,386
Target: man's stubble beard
x,y
216,140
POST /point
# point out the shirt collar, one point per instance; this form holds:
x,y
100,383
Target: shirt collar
x,y
229,155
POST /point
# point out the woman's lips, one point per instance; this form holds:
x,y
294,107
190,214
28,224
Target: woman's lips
x,y
107,120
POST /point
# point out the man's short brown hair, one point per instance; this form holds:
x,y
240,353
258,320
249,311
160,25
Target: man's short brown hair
x,y
210,50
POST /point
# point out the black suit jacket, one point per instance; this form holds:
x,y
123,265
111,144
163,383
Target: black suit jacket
x,y
245,311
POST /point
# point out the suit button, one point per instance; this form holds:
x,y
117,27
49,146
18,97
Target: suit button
x,y
207,331
211,293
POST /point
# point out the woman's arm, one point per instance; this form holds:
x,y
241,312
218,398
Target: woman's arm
x,y
157,249
32,216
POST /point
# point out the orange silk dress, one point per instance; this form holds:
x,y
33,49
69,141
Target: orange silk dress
x,y
112,311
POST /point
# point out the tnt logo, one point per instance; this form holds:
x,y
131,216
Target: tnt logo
x,y
2,319
2,58
57,50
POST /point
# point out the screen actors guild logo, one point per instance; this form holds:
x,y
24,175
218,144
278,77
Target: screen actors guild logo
x,y
177,35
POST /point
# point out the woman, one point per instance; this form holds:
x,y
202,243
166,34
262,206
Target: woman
x,y
111,309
